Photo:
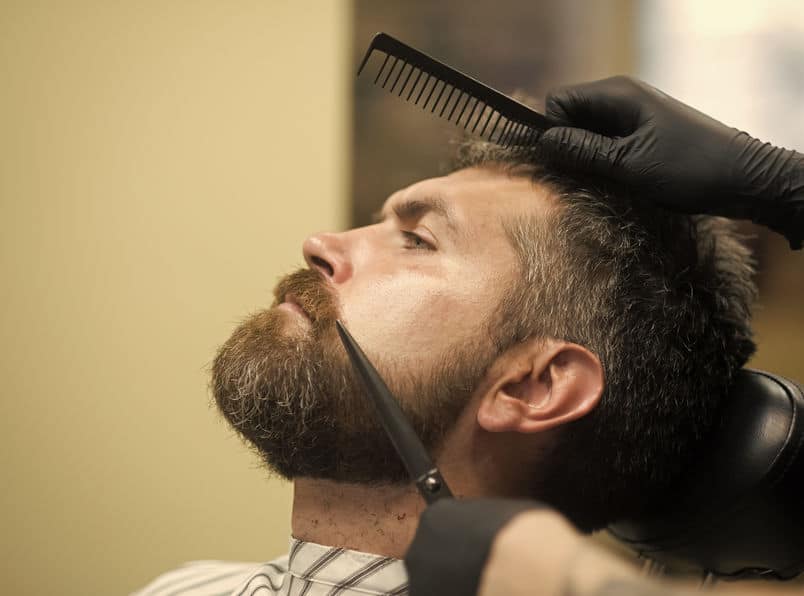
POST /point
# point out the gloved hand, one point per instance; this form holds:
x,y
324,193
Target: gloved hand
x,y
453,541
674,155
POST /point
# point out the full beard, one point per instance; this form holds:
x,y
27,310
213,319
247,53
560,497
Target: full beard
x,y
290,392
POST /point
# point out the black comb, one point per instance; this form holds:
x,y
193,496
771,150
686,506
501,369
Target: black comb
x,y
458,97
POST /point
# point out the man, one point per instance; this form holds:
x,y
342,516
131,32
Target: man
x,y
549,337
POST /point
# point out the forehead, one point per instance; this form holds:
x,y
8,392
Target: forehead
x,y
478,197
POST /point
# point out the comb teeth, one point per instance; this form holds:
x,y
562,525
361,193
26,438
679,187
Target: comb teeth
x,y
460,99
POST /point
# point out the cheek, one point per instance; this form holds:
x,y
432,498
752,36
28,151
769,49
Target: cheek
x,y
413,318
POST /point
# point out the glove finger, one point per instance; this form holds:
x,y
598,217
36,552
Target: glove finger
x,y
580,150
611,107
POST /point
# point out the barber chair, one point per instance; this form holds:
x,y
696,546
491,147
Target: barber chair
x,y
739,513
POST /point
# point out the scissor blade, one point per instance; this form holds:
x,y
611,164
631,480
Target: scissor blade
x,y
414,456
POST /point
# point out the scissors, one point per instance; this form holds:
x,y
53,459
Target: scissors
x,y
420,467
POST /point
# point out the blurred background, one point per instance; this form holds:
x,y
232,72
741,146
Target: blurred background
x,y
160,165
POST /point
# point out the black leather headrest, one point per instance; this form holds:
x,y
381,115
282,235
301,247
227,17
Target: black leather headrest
x,y
740,510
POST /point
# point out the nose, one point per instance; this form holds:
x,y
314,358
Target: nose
x,y
328,253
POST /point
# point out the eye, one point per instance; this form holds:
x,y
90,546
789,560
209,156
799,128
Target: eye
x,y
415,242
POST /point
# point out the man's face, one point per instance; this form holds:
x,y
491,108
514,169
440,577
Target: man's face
x,y
418,290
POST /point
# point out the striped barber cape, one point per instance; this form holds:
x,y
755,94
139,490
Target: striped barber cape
x,y
308,570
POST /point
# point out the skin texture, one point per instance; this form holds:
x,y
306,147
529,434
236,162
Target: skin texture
x,y
573,565
414,303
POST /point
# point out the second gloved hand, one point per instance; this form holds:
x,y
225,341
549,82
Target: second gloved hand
x,y
674,155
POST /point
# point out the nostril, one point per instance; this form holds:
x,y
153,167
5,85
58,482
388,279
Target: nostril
x,y
323,265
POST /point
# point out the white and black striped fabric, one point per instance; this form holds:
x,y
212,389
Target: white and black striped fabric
x,y
308,570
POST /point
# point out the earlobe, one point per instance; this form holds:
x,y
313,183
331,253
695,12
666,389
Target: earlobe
x,y
541,385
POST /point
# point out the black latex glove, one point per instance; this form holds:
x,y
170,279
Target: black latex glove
x,y
628,131
453,542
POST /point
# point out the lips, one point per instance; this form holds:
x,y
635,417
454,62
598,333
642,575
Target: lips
x,y
307,293
291,302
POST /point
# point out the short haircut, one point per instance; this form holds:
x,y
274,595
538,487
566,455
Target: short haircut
x,y
663,299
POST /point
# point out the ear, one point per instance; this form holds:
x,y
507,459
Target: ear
x,y
539,385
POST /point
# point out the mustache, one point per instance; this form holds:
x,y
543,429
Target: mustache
x,y
309,289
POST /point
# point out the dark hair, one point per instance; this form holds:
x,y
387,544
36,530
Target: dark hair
x,y
663,299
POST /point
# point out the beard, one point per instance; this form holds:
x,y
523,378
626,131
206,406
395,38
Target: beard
x,y
291,393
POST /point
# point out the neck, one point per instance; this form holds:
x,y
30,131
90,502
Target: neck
x,y
380,520
383,519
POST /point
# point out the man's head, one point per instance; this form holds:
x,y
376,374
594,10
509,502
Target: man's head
x,y
598,333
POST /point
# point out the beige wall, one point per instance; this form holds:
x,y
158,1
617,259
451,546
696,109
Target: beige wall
x,y
160,164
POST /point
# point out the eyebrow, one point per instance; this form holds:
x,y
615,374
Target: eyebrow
x,y
417,208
